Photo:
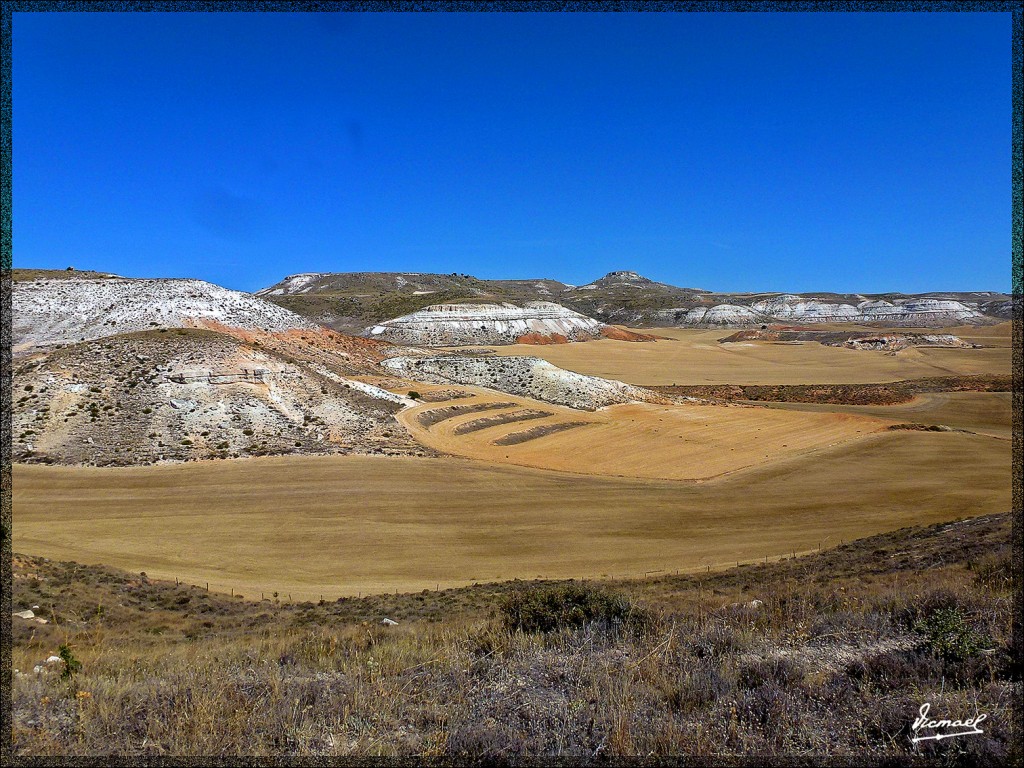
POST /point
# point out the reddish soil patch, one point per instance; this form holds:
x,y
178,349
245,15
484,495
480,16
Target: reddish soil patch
x,y
348,353
538,338
621,334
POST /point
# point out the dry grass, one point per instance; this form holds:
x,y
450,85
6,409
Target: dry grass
x,y
833,663
341,525
696,357
678,442
987,413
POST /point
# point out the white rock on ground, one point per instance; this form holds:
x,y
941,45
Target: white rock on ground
x,y
66,311
788,308
526,376
450,325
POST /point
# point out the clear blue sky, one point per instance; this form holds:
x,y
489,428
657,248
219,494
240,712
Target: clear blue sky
x,y
748,151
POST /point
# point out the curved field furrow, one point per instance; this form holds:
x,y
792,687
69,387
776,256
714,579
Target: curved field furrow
x,y
437,415
674,442
540,431
501,418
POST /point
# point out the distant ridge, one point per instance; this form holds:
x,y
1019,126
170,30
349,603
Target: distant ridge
x,y
354,301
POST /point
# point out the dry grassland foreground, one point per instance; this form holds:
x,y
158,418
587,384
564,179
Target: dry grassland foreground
x,y
826,656
341,525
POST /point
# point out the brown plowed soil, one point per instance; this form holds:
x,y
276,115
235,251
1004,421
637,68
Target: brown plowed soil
x,y
539,338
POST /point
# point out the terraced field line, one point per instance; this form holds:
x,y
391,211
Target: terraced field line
x,y
502,418
437,415
515,438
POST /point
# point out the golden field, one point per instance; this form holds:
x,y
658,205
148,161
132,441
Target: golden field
x,y
636,488
688,356
668,442
306,526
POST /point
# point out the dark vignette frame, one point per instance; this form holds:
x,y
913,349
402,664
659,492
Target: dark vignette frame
x,y
9,7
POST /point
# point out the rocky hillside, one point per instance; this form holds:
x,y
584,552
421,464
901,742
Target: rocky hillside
x,y
536,322
184,394
524,376
124,371
53,311
353,301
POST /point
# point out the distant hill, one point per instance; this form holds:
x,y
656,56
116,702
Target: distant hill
x,y
352,302
465,323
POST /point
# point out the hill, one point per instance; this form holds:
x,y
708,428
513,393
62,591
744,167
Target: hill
x,y
535,322
125,371
185,394
354,301
115,371
51,311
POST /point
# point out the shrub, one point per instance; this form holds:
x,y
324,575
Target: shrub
x,y
995,572
246,431
71,664
413,395
781,671
545,609
949,635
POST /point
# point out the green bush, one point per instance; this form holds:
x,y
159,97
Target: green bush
x,y
414,395
949,635
550,608
71,664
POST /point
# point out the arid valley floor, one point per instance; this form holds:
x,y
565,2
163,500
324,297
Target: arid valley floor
x,y
633,488
708,550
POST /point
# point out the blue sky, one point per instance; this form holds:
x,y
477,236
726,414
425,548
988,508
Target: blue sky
x,y
748,151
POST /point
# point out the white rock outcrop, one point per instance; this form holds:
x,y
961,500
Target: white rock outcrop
x,y
526,376
450,325
66,311
788,308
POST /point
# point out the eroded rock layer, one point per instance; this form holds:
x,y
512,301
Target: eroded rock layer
x,y
535,322
525,376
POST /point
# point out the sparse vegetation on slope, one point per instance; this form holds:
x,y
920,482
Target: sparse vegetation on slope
x,y
824,656
351,301
183,394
